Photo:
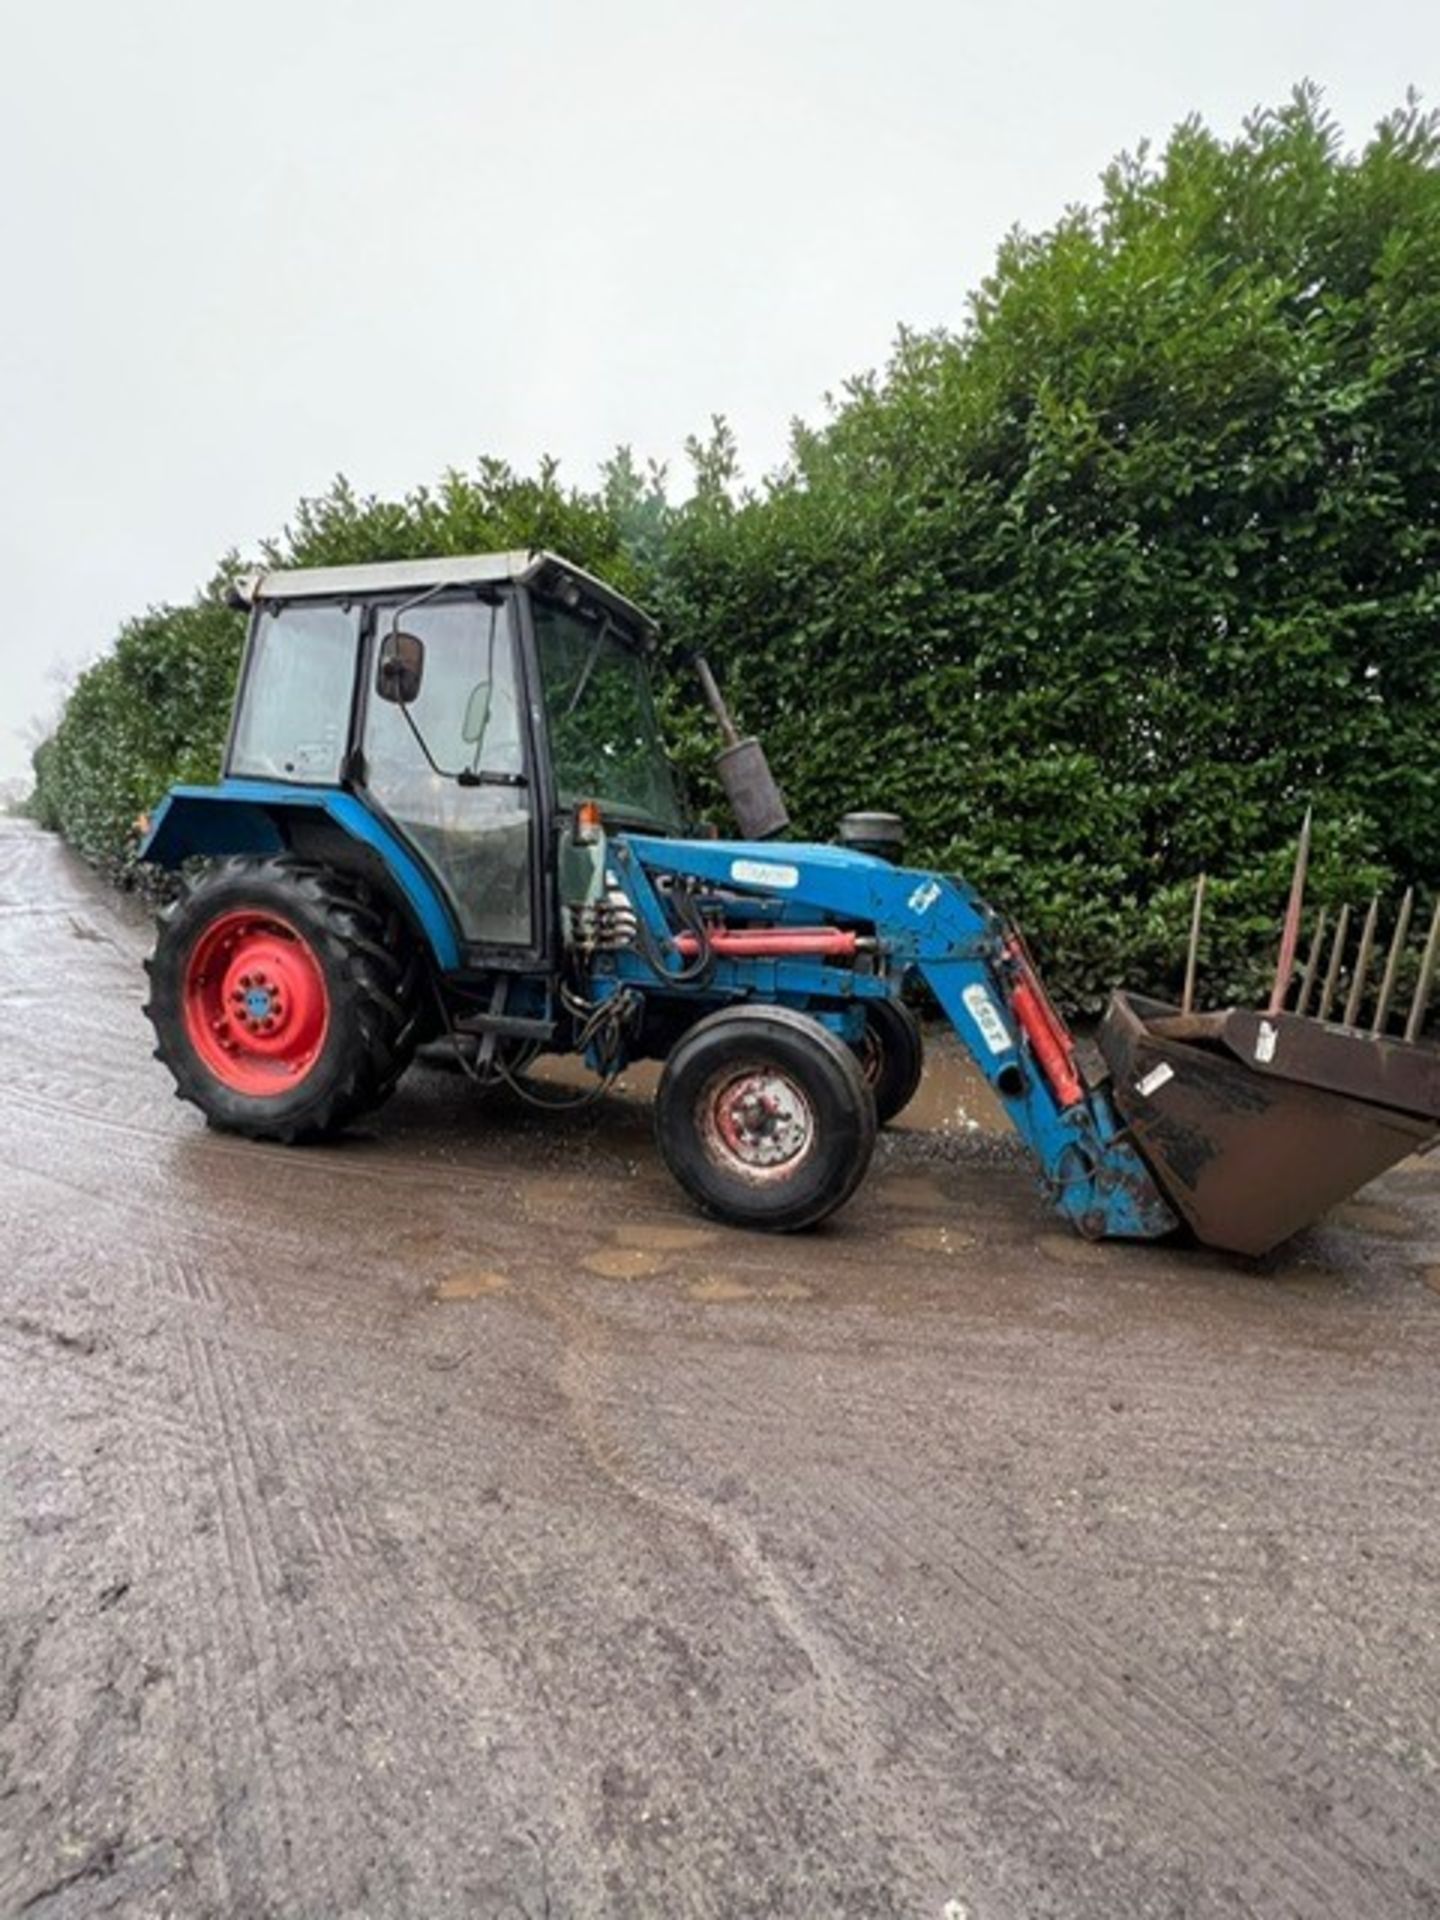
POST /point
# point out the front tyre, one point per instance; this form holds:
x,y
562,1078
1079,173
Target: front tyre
x,y
892,1056
765,1119
283,997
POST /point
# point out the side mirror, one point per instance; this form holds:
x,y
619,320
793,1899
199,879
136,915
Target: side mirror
x,y
477,714
401,667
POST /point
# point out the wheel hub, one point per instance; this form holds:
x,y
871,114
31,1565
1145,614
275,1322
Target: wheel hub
x,y
256,1004
757,1122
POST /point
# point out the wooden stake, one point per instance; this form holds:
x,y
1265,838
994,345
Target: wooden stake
x,y
1312,965
1362,964
1421,1002
1392,961
1332,972
1192,956
1290,938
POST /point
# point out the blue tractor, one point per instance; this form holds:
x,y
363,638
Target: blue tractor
x,y
446,819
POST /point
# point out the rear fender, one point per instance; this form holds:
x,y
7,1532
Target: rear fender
x,y
255,816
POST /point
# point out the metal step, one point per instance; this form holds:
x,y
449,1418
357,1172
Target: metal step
x,y
507,1026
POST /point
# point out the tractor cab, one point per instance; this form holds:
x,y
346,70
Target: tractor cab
x,y
471,703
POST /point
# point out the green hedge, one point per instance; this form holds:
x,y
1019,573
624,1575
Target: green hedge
x,y
154,710
1105,589
1098,591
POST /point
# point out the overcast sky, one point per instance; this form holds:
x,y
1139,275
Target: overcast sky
x,y
248,247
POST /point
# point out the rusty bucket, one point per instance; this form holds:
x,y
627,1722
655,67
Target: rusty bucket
x,y
1255,1123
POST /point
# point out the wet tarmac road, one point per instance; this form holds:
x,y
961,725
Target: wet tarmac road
x,y
450,1522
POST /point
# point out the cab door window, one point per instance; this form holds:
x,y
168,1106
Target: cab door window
x,y
468,715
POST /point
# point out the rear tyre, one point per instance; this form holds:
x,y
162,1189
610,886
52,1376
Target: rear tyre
x,y
892,1056
765,1118
285,999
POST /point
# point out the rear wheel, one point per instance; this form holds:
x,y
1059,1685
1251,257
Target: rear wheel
x,y
765,1118
892,1056
285,998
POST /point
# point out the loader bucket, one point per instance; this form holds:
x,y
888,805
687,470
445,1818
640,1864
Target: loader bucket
x,y
1253,1124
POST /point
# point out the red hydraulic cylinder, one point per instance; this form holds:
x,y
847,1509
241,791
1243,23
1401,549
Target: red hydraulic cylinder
x,y
1049,1041
773,943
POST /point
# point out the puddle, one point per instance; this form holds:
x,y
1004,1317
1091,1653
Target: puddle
x,y
551,1201
719,1290
660,1239
954,1096
716,1292
1069,1250
936,1239
474,1284
912,1191
1366,1216
1309,1279
622,1263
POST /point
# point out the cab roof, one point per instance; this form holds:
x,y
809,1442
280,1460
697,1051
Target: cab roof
x,y
524,566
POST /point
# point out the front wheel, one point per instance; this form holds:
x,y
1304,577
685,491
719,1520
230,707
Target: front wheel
x,y
892,1056
765,1119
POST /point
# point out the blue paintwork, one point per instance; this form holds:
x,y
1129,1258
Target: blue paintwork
x,y
943,930
924,923
243,816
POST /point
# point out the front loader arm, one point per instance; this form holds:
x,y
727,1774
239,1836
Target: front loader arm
x,y
979,971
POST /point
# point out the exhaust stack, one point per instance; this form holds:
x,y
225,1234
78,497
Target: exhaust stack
x,y
755,800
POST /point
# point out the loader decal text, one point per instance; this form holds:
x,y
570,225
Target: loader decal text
x,y
924,896
982,1010
764,873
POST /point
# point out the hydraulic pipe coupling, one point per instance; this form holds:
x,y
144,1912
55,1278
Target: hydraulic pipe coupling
x,y
606,925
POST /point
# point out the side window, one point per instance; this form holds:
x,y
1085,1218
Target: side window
x,y
475,836
295,710
469,681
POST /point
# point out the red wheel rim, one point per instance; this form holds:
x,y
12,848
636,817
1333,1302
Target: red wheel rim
x,y
256,1005
756,1122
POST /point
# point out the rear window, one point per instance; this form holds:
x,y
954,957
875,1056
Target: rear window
x,y
294,716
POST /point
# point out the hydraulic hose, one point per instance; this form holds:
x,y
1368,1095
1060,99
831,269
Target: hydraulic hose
x,y
653,954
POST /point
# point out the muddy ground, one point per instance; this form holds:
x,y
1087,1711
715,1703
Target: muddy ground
x,y
449,1522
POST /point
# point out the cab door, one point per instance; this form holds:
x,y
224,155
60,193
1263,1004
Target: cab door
x,y
451,767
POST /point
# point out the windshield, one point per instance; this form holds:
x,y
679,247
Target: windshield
x,y
604,740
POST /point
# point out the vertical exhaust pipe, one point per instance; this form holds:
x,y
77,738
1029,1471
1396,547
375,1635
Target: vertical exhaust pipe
x,y
755,799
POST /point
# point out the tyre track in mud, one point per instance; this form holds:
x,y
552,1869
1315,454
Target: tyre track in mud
x,y
838,1729
814,1578
1140,1701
